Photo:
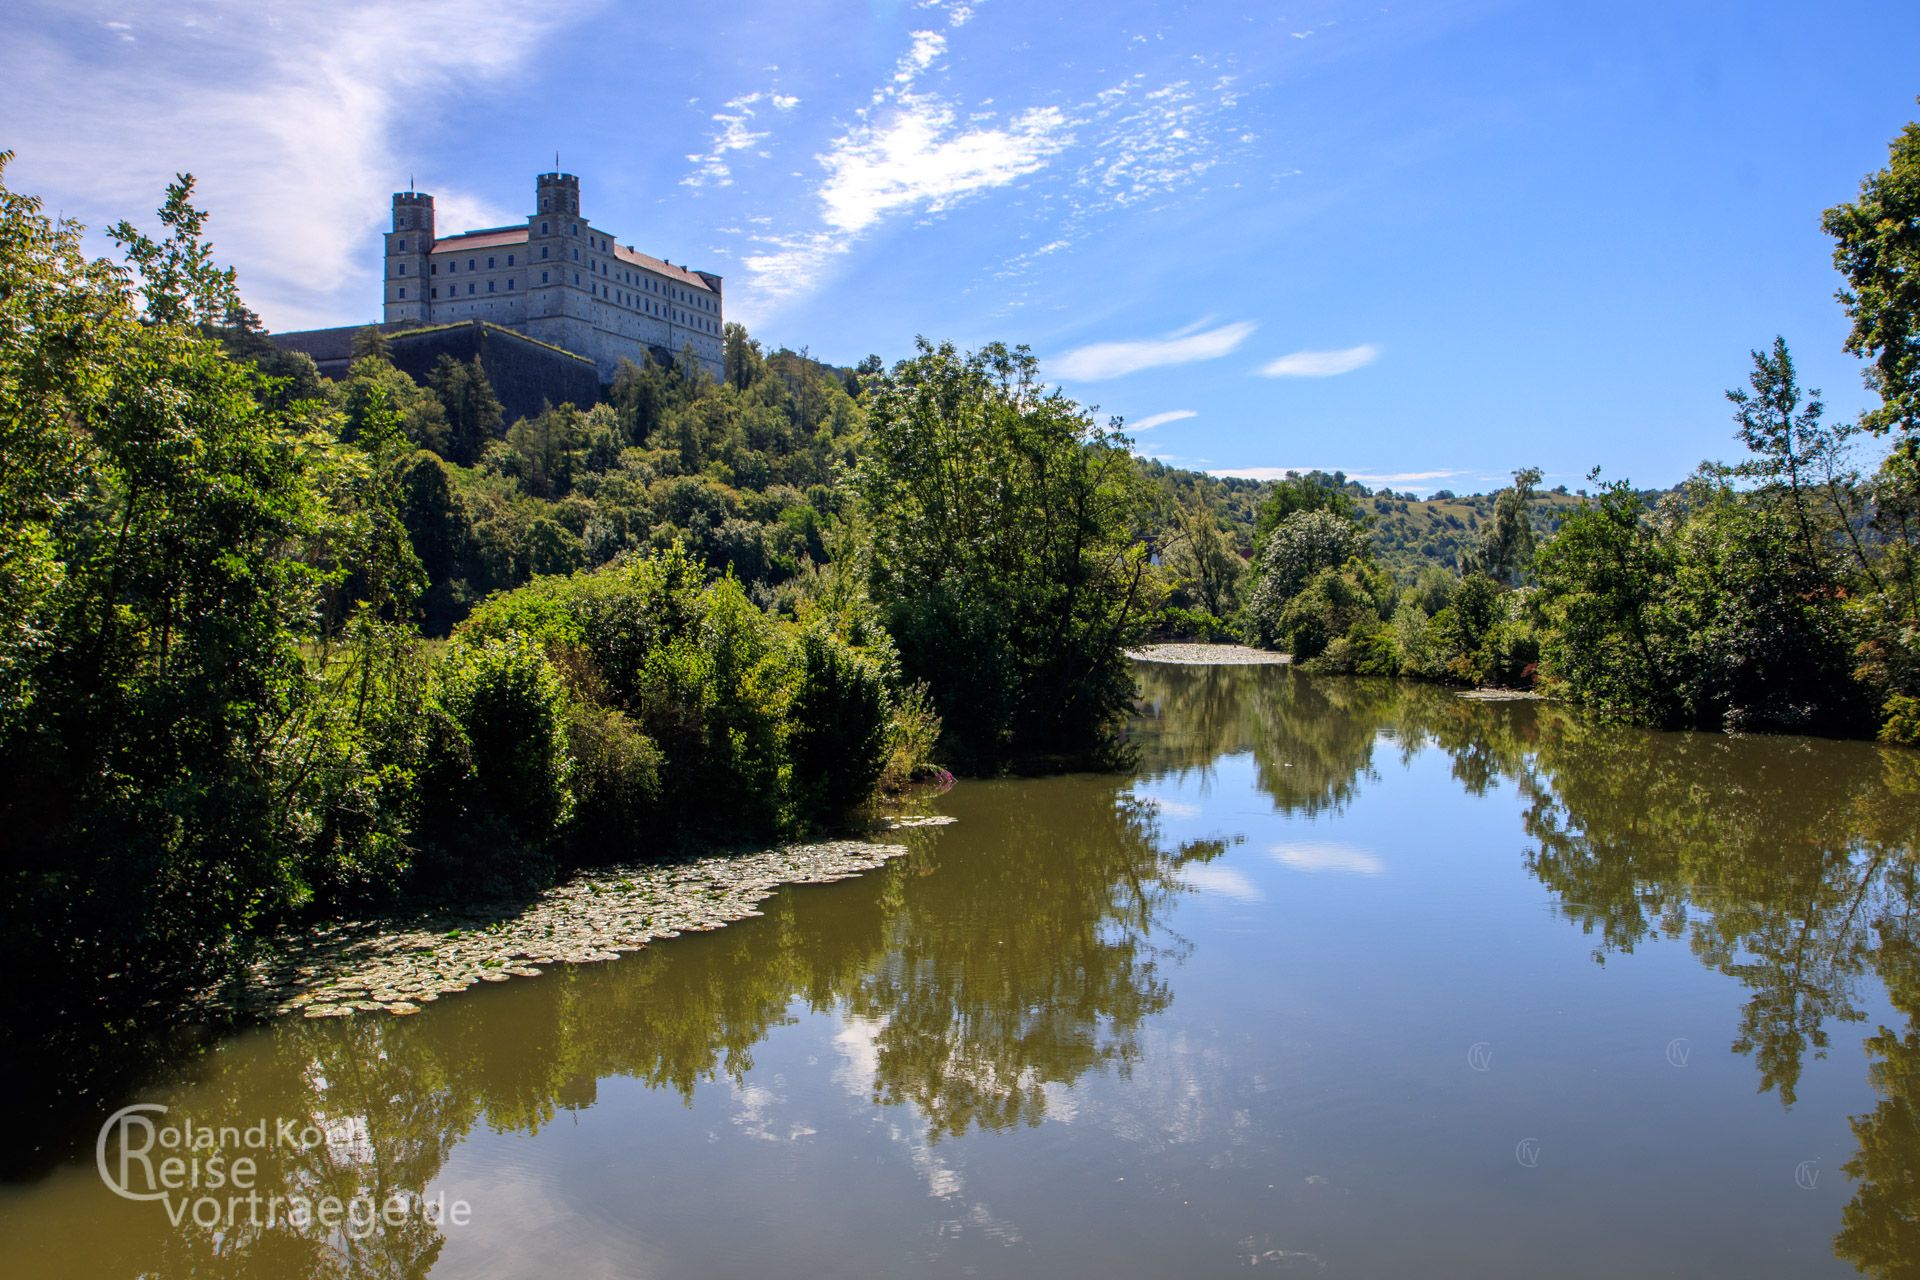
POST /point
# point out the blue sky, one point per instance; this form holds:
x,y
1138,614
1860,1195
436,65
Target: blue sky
x,y
1423,242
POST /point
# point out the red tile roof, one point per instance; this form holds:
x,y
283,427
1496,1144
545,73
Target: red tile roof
x,y
680,274
491,238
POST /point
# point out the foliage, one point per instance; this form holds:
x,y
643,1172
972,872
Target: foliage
x,y
473,413
500,770
1877,249
1301,546
1506,541
148,503
1000,518
743,723
1298,494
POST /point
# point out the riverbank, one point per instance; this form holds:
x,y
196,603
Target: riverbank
x,y
1209,655
396,965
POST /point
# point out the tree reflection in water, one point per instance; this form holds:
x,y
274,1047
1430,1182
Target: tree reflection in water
x,y
984,981
1786,864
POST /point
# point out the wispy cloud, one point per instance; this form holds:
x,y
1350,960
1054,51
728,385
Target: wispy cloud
x,y
1161,419
1321,364
290,115
917,160
735,133
909,151
1327,856
918,150
1102,360
1224,882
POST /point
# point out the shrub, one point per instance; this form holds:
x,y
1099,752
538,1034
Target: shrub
x,y
502,742
1367,649
913,732
616,786
1333,602
1901,725
839,739
1302,546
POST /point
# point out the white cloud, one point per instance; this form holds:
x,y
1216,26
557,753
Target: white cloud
x,y
1161,419
908,152
1327,856
1321,364
912,152
1116,359
917,161
735,133
1223,882
291,117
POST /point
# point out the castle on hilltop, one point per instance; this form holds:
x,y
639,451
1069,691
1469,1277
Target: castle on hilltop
x,y
557,279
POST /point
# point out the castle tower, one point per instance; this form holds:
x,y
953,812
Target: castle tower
x,y
409,291
558,193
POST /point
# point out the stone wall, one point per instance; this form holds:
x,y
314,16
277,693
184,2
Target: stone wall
x,y
526,374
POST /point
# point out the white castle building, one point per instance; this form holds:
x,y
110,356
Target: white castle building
x,y
558,279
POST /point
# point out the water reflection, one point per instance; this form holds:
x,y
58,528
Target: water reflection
x,y
1788,864
980,976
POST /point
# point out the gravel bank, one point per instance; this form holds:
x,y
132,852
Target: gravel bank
x,y
1209,655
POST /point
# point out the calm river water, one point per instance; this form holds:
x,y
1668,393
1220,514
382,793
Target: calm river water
x,y
1345,978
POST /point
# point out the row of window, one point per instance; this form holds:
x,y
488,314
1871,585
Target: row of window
x,y
453,290
627,277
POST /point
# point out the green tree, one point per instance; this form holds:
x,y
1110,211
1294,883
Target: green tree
x,y
1314,491
1001,553
177,276
1877,249
1603,580
473,412
151,671
1303,545
1506,542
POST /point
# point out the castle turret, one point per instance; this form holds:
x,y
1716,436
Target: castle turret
x,y
558,193
409,291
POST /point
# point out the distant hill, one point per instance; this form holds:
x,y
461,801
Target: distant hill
x,y
1409,533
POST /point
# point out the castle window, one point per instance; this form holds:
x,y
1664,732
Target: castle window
x,y
576,255
435,269
489,264
543,228
403,246
489,286
574,230
469,264
469,290
403,291
543,277
509,284
509,259
436,291
403,268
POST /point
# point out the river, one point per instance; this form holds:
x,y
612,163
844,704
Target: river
x,y
1344,977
